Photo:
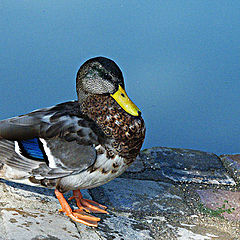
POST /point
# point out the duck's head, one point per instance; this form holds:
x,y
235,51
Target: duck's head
x,y
102,76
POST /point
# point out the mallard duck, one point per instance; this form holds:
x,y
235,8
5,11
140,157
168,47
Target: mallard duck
x,y
78,144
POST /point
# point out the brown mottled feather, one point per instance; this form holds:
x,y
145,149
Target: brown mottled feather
x,y
126,131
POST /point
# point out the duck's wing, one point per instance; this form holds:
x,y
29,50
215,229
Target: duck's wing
x,y
62,120
51,142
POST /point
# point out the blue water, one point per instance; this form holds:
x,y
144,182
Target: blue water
x,y
180,59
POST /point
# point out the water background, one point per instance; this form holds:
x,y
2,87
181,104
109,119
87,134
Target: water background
x,y
180,59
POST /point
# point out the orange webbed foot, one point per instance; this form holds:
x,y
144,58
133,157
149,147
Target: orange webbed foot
x,y
86,204
79,216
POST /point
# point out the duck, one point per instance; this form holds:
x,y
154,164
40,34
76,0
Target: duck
x,y
76,145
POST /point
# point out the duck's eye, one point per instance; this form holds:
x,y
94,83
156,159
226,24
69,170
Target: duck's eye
x,y
107,76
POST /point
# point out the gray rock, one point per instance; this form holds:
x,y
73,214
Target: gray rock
x,y
180,165
36,224
116,226
193,227
141,195
232,164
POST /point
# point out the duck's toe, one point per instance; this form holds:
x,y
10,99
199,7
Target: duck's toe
x,y
86,204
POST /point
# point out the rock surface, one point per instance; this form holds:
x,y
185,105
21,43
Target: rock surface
x,y
166,194
232,164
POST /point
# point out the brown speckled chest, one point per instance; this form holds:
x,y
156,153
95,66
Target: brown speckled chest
x,y
126,131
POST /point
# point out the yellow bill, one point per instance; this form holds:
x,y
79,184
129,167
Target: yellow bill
x,y
125,102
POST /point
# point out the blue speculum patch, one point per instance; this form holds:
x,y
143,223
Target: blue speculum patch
x,y
32,148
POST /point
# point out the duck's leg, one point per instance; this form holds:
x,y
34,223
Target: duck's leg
x,y
86,204
80,216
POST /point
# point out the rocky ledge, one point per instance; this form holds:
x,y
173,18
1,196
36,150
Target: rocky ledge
x,y
167,193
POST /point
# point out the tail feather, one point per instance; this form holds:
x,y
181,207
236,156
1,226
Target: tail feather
x,y
10,158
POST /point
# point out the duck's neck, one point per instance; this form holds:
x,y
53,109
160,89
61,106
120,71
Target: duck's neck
x,y
82,96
